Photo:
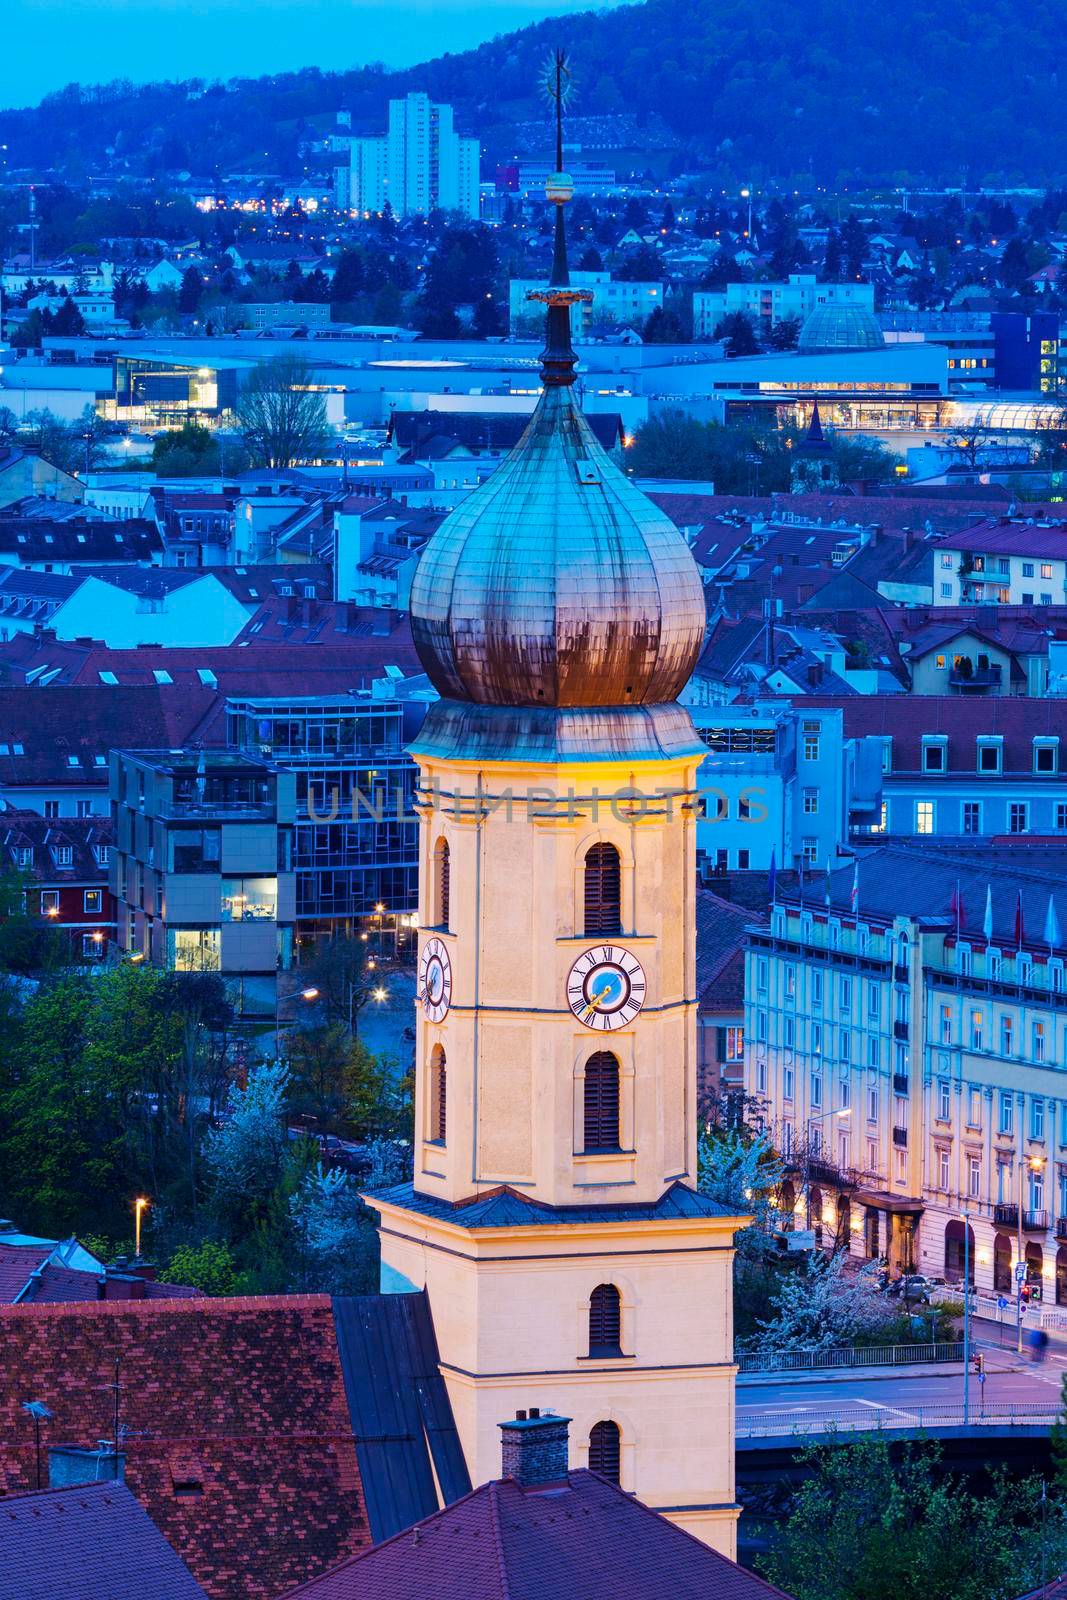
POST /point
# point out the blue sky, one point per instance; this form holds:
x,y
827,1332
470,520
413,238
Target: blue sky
x,y
49,43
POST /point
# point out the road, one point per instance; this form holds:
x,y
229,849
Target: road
x,y
810,1402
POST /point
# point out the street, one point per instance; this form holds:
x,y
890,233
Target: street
x,y
904,1398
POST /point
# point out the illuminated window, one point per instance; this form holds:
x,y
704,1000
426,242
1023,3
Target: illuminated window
x,y
924,816
194,949
249,899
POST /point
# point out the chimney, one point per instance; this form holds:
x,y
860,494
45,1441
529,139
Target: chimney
x,y
534,1448
134,1267
70,1465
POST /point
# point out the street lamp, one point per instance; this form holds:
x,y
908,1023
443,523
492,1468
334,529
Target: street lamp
x,y
139,1207
1031,1165
309,994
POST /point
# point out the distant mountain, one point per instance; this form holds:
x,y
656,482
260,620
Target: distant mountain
x,y
838,90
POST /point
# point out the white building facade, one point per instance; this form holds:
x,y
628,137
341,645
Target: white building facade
x,y
420,165
770,303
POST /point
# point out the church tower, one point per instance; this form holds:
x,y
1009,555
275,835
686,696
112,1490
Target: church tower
x,y
553,1218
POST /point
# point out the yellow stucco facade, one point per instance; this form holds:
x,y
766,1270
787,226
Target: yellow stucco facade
x,y
511,1303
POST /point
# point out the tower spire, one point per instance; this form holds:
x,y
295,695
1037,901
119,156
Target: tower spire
x,y
558,360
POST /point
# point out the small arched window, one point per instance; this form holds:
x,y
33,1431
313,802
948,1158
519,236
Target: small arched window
x,y
438,1095
605,1321
601,1108
603,890
604,1450
442,874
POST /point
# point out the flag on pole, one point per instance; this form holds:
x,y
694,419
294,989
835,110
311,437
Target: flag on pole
x,y
854,897
1020,930
987,920
828,883
1053,936
772,878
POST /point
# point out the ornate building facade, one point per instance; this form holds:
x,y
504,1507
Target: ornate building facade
x,y
554,1219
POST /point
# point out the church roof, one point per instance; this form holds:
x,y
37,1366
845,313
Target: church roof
x,y
507,1208
557,582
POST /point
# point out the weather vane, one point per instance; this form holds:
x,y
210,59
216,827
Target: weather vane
x,y
557,358
558,86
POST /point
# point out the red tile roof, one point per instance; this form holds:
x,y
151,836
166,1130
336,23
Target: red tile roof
x,y
94,1542
1016,719
252,1388
1012,539
17,1263
579,1539
65,1285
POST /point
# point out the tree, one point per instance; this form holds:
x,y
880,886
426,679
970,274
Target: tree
x,y
739,334
335,1080
821,1305
248,1155
874,1521
641,265
208,1266
185,452
1014,268
738,1167
1058,1442
663,327
337,1241
784,334
70,446
191,291
281,415
66,320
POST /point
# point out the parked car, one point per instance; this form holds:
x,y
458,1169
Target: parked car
x,y
911,1286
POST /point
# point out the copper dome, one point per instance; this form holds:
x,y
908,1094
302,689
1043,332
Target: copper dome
x,y
557,582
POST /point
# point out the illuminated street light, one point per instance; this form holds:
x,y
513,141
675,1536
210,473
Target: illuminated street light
x,y
309,994
380,995
139,1207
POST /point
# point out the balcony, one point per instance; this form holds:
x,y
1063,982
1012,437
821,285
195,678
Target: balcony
x,y
824,1172
974,680
900,1083
900,1030
900,1138
1061,1228
1036,1221
1006,1216
901,973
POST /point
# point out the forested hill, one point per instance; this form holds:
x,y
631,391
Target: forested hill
x,y
835,89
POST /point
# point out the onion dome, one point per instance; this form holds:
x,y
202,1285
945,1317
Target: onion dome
x,y
837,325
557,582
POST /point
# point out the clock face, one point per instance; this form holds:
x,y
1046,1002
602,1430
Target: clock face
x,y
435,980
606,987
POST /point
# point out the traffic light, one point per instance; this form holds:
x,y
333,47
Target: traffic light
x,y
979,1362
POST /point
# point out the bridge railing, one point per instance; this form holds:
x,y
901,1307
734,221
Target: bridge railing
x,y
856,1419
883,1355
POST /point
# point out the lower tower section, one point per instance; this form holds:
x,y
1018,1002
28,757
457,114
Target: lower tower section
x,y
617,1316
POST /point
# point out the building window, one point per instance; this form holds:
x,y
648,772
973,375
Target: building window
x,y
974,1176
989,752
942,1167
872,1104
845,1046
249,899
93,902
845,1096
1018,816
194,949
816,1092
51,809
1061,816
845,994
787,1083
788,1032
1037,1119
735,1044
946,1025
974,1108
790,980
605,1321
1045,753
1007,1036
924,816
873,1053
49,901
1039,1044
1046,569
438,1096
64,854
603,890
872,1001
442,881
811,742
1028,569
83,808
976,1029
944,1100
605,1450
601,1102
761,1026
934,756
811,802
971,816
93,946
1006,1123
816,987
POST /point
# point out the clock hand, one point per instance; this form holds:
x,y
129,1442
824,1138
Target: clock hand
x,y
594,1003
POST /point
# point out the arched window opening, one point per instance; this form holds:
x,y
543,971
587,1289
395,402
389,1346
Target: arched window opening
x,y
601,1119
604,1450
605,1321
603,890
438,1095
1002,1279
442,874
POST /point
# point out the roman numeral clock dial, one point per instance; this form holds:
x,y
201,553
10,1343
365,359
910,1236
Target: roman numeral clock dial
x,y
435,980
606,988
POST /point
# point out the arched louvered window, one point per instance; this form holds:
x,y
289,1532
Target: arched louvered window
x,y
603,890
438,1095
601,1108
605,1321
604,1450
442,874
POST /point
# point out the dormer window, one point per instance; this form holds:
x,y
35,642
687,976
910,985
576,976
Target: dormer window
x,y
1046,754
935,752
64,855
990,753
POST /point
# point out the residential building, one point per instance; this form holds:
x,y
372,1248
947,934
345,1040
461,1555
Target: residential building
x,y
1016,564
420,165
260,314
596,1540
48,1271
65,865
781,781
202,868
613,301
355,830
767,304
908,1042
22,473
962,767
1027,351
721,932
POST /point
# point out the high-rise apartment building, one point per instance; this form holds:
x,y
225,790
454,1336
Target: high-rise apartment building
x,y
420,165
